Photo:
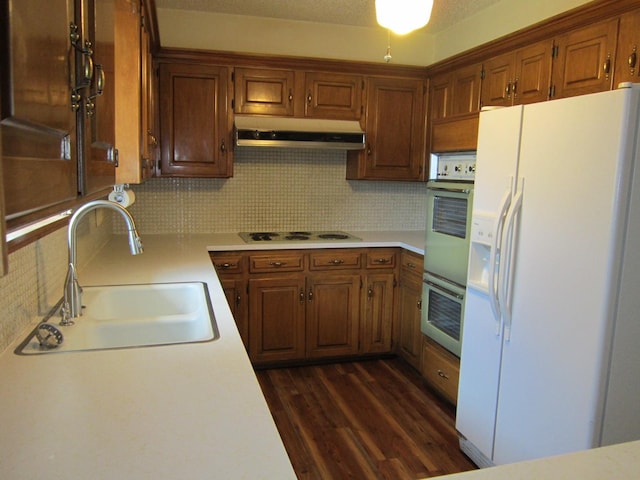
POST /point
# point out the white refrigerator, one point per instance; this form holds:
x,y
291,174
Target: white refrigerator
x,y
550,357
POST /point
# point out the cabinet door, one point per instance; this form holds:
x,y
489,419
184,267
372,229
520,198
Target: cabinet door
x,y
277,318
377,320
235,293
38,126
584,63
465,90
409,313
396,132
627,61
194,124
532,73
334,96
98,108
497,85
439,96
333,306
264,91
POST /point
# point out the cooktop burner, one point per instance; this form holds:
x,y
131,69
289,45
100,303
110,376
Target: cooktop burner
x,y
331,236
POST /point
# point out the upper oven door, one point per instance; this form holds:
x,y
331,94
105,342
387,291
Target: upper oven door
x,y
448,228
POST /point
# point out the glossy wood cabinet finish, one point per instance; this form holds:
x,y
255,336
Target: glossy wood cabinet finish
x,y
628,55
310,304
519,77
231,269
378,300
98,135
264,91
195,121
409,344
39,143
395,127
454,108
298,93
135,90
585,60
441,369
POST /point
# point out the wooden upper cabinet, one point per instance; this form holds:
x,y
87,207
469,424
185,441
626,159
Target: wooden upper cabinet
x,y
585,60
264,91
194,121
298,93
628,57
518,77
99,105
395,126
135,88
465,90
334,96
440,96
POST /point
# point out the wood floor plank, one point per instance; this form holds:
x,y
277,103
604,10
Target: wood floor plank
x,y
370,419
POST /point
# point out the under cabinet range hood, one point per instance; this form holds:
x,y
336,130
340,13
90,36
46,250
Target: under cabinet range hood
x,y
252,131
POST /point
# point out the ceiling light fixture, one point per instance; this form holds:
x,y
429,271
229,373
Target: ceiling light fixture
x,y
403,16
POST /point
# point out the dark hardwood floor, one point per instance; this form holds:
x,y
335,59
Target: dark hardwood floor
x,y
363,420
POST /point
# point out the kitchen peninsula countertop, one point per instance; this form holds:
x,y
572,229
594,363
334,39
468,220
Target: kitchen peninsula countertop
x,y
182,411
177,411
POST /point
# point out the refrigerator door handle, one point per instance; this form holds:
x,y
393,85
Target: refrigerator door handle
x,y
496,245
506,264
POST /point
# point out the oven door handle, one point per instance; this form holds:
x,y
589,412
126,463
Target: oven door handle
x,y
449,190
446,291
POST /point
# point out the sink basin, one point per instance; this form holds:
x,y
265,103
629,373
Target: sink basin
x,y
125,316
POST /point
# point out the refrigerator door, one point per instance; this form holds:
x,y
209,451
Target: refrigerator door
x,y
566,261
496,167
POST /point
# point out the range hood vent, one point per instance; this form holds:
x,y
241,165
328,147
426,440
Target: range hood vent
x,y
281,132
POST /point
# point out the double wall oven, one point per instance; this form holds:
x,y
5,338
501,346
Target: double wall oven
x,y
449,204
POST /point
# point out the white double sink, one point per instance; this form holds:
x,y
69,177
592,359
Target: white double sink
x,y
141,315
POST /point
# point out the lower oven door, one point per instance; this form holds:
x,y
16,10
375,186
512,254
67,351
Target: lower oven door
x,y
443,311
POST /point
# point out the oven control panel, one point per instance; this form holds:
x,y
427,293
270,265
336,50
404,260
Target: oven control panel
x,y
461,166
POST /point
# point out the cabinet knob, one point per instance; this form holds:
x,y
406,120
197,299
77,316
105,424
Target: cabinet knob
x,y
290,96
419,304
335,261
606,68
223,147
226,266
381,260
309,98
277,264
633,59
441,374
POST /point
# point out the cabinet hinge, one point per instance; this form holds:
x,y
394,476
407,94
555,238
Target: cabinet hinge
x,y
482,74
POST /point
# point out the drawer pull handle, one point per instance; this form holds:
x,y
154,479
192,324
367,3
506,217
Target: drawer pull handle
x,y
226,266
441,374
411,265
335,261
381,260
277,264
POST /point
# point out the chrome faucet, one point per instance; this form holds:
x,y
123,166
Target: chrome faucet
x,y
72,305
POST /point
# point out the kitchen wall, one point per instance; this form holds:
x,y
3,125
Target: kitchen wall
x,y
37,272
236,33
278,189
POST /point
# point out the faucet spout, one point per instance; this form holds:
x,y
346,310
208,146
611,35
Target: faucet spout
x,y
72,289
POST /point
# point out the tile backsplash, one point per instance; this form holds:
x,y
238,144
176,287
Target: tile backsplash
x,y
272,189
278,189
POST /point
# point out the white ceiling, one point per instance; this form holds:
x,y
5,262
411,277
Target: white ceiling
x,y
345,12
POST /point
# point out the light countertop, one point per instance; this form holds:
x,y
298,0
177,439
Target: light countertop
x,y
184,411
176,411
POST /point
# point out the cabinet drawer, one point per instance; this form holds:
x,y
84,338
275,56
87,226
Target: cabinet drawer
x,y
440,369
411,263
229,263
337,259
381,258
276,262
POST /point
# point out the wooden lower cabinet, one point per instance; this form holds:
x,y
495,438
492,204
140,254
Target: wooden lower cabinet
x,y
276,318
409,344
296,305
440,369
332,314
